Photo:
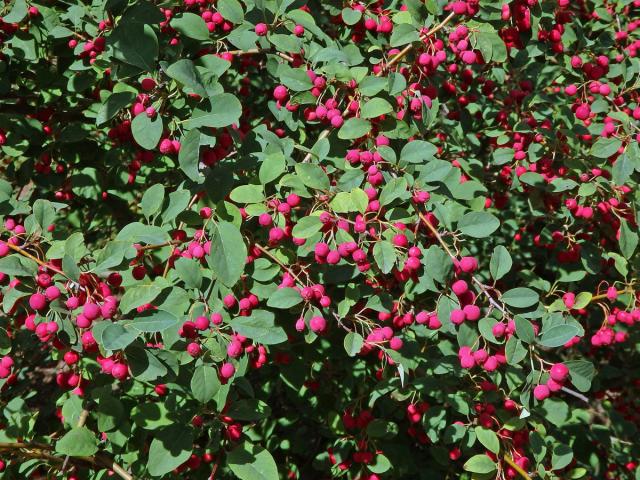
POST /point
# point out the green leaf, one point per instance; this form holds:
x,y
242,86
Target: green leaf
x,y
295,79
312,176
478,224
385,255
228,253
138,232
252,462
582,300
247,194
18,12
249,410
156,321
170,448
403,34
394,189
520,297
306,227
191,25
375,107
605,147
582,373
190,272
189,155
110,413
231,10
135,44
112,105
284,298
17,265
152,200
147,131
370,85
184,72
488,438
260,327
225,110
354,128
500,263
480,464
78,442
515,351
351,16
139,294
205,383
558,335
561,456
628,240
116,337
353,342
418,151
272,167
524,329
359,199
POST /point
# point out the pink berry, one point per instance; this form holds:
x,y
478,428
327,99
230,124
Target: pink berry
x,y
460,287
457,316
261,29
119,371
541,392
318,324
559,372
37,301
468,264
227,370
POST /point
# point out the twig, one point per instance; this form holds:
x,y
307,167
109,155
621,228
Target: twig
x,y
481,287
575,394
507,458
24,253
602,296
282,265
158,245
38,450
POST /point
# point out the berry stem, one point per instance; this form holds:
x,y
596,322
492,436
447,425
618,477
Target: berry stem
x,y
24,253
507,458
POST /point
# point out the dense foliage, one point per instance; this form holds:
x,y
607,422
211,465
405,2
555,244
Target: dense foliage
x,y
265,239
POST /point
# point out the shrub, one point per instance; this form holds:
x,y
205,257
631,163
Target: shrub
x,y
268,239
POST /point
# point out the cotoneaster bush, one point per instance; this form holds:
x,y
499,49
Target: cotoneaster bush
x,y
267,239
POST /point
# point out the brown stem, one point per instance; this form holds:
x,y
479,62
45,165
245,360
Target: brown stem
x,y
602,296
507,458
158,245
24,253
282,265
38,450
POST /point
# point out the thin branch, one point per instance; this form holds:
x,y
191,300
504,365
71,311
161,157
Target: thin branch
x,y
282,265
24,253
575,394
158,245
507,458
602,296
38,450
